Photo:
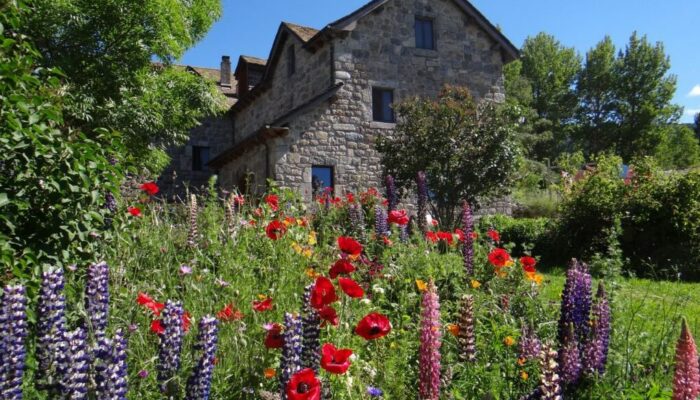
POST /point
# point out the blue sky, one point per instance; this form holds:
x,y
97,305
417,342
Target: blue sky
x,y
248,27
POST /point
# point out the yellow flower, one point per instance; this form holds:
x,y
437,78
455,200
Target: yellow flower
x,y
262,297
308,252
311,273
270,373
453,329
297,248
475,284
312,238
510,263
522,361
524,375
509,341
422,286
534,277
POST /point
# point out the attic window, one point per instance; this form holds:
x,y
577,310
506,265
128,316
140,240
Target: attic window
x,y
424,33
291,61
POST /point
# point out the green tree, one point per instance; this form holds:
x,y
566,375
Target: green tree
x,y
679,148
697,125
643,91
106,49
466,149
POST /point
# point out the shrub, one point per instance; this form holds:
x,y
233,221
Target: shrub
x,y
527,234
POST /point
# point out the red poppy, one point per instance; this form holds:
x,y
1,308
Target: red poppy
x,y
335,361
499,257
150,187
446,236
135,211
274,338
398,217
349,197
275,230
351,288
387,241
323,293
239,199
148,302
341,267
432,236
304,385
186,321
460,235
272,200
349,246
264,305
329,315
368,195
528,263
434,222
474,235
373,326
229,313
157,327
494,235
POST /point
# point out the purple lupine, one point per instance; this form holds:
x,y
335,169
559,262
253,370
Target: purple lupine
x,y
569,358
199,384
110,203
13,322
686,378
76,378
380,223
192,234
466,336
422,184
110,367
468,245
170,346
550,386
391,196
51,346
403,233
576,301
595,354
529,344
291,351
311,331
357,220
97,298
430,342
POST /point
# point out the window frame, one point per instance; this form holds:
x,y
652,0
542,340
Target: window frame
x,y
378,95
199,164
291,61
331,169
423,21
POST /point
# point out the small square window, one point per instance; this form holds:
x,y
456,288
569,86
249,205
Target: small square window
x,y
382,100
291,61
424,33
321,179
200,158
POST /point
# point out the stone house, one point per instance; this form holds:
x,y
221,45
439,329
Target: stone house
x,y
309,115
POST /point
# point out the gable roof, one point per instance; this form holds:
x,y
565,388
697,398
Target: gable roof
x,y
304,33
254,60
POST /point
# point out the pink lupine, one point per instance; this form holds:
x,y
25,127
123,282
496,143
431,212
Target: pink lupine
x,y
430,342
686,380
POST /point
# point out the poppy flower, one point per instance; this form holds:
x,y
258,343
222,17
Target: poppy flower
x,y
474,235
186,321
304,385
323,293
134,211
148,302
275,230
349,197
229,313
335,361
398,217
373,326
328,315
349,246
460,235
262,305
157,327
446,236
351,288
494,235
387,241
274,338
269,373
528,263
499,257
150,187
432,236
341,267
272,200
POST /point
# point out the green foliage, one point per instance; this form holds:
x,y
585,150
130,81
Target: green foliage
x,y
53,180
679,148
466,149
528,235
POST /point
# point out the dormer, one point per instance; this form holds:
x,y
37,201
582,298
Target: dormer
x,y
249,72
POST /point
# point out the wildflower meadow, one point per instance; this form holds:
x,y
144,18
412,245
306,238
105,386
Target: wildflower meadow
x,y
237,297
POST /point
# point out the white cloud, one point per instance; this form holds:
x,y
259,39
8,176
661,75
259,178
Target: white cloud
x,y
695,91
691,111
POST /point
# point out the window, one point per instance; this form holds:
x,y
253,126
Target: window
x,y
424,33
200,158
382,100
321,179
291,61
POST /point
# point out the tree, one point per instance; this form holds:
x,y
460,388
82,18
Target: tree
x,y
697,125
679,148
466,149
106,50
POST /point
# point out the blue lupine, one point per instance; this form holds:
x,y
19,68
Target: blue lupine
x,y
468,245
170,345
291,351
311,331
391,196
569,358
199,383
97,298
380,222
595,354
403,233
51,347
529,344
77,365
576,301
13,322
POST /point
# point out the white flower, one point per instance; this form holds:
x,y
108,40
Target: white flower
x,y
366,301
378,289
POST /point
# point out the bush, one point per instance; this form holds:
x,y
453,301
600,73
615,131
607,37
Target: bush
x,y
527,234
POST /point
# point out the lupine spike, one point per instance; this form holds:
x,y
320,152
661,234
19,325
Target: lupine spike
x,y
170,345
232,223
430,343
550,387
569,358
118,372
422,184
380,222
391,196
97,298
468,245
13,322
291,351
403,233
357,221
530,345
311,331
51,348
466,336
596,350
192,236
76,379
576,301
199,384
686,379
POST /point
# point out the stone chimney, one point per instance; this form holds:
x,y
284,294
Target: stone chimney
x,y
225,71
